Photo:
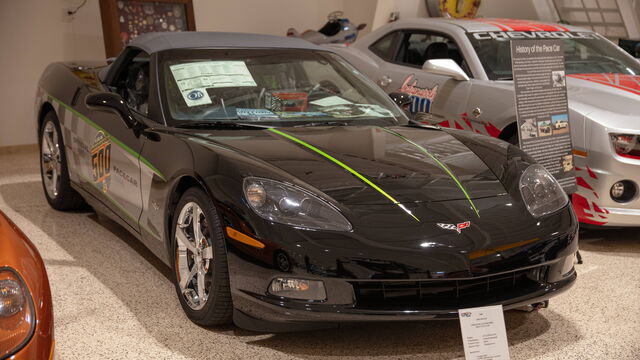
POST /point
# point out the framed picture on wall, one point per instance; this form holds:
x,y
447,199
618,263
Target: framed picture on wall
x,y
123,20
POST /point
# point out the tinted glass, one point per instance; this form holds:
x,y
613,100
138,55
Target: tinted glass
x,y
134,83
282,87
420,46
585,53
385,46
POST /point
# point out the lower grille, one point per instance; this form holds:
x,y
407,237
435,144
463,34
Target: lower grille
x,y
446,293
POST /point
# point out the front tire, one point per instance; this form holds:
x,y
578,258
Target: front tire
x,y
200,260
53,167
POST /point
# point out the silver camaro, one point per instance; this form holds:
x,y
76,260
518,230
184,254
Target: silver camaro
x,y
461,69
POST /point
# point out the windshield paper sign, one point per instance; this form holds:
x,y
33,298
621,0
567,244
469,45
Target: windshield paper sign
x,y
194,78
542,109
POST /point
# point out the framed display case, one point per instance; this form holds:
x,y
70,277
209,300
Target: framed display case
x,y
123,20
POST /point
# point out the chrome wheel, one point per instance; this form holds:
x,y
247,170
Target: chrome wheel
x,y
51,160
194,255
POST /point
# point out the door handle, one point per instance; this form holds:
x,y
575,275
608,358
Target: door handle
x,y
384,81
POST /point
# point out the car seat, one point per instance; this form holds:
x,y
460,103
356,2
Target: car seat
x,y
137,87
437,50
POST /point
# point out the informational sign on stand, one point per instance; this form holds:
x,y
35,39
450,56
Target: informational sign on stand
x,y
542,110
483,333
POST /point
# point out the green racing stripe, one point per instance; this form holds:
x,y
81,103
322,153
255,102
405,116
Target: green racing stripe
x,y
443,166
344,166
114,139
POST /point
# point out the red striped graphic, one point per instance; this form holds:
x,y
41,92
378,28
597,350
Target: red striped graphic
x,y
521,25
630,83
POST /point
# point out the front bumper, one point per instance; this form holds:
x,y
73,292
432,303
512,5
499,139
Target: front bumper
x,y
597,169
264,312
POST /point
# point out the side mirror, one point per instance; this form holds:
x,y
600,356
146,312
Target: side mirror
x,y
445,67
108,101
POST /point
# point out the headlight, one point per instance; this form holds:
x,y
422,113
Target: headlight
x,y
626,145
17,316
541,192
288,204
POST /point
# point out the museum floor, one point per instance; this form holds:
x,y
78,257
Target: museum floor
x,y
113,299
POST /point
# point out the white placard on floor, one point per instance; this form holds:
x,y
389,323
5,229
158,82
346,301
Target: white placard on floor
x,y
483,333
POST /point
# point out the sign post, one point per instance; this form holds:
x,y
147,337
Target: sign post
x,y
541,101
484,334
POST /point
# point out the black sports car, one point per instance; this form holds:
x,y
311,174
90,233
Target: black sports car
x,y
288,192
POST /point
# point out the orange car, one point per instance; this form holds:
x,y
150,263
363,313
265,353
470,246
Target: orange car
x,y
26,312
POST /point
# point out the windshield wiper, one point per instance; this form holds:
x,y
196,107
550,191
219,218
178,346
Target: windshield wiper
x,y
221,125
323,123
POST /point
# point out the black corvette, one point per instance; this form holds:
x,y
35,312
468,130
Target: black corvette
x,y
287,192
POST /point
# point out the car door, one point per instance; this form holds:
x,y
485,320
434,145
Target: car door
x,y
405,52
112,170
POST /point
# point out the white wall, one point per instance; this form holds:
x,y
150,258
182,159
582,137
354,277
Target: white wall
x,y
34,33
406,9
511,9
274,17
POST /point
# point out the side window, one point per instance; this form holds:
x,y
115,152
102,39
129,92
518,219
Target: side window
x,y
386,46
133,84
419,46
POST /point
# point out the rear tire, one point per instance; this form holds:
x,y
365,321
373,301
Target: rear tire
x,y
200,260
53,167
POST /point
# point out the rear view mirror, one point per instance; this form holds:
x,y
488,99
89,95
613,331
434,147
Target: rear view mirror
x,y
445,67
108,101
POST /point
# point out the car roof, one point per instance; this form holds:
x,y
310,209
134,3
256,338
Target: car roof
x,y
159,41
492,24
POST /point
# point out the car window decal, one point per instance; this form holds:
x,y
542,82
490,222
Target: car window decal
x,y
442,165
422,97
346,167
111,137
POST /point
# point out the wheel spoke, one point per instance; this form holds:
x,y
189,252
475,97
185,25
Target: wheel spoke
x,y
184,240
54,183
207,253
185,281
200,279
47,158
47,139
197,231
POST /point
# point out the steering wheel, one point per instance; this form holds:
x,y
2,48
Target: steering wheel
x,y
335,15
324,87
208,111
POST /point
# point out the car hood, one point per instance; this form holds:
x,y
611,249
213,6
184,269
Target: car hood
x,y
367,165
614,93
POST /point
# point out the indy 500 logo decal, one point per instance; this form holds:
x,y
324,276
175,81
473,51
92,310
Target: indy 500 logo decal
x,y
101,161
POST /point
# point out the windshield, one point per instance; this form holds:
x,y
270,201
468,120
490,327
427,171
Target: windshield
x,y
585,53
271,87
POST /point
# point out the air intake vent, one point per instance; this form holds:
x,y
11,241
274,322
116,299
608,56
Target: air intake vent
x,y
446,294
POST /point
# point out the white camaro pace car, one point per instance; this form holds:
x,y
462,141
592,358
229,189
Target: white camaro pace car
x,y
475,91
